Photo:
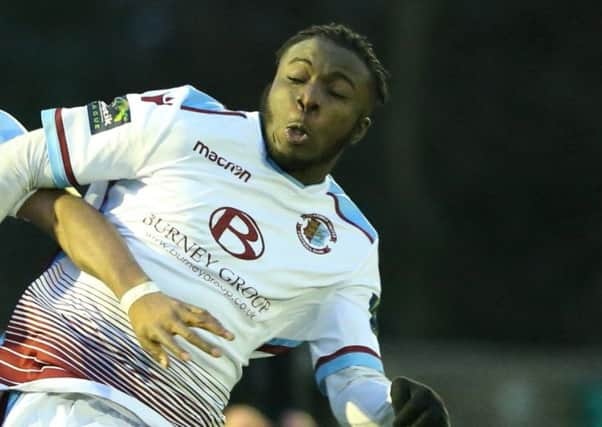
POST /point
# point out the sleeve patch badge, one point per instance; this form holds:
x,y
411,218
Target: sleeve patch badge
x,y
104,117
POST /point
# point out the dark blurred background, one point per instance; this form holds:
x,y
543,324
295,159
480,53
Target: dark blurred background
x,y
482,175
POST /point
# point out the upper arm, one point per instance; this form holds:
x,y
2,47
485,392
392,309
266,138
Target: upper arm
x,y
345,332
94,142
128,138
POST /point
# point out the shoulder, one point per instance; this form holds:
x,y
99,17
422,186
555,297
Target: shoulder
x,y
349,212
196,105
187,98
192,111
181,96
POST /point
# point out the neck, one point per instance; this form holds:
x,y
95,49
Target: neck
x,y
309,177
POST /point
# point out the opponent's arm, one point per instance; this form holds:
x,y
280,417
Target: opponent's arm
x,y
95,246
87,238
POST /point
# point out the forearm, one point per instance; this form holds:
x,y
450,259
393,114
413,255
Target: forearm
x,y
359,396
24,166
92,243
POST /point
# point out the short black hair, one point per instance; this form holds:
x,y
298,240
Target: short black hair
x,y
349,39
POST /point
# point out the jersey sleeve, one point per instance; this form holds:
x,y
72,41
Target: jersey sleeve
x,y
360,396
122,140
345,331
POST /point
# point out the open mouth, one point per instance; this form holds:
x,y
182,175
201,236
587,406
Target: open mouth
x,y
296,133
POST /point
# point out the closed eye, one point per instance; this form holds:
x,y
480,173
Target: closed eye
x,y
295,80
337,95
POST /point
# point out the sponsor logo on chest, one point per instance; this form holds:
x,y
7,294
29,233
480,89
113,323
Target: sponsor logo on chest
x,y
237,233
198,259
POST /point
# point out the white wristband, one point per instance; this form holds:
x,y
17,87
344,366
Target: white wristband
x,y
137,292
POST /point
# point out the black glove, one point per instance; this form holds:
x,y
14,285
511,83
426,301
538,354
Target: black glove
x,y
416,405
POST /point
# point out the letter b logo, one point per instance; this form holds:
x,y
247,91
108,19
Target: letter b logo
x,y
237,233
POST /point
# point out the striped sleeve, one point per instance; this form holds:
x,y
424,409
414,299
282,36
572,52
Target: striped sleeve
x,y
79,154
346,357
121,140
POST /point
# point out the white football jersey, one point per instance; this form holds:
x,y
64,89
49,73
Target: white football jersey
x,y
214,222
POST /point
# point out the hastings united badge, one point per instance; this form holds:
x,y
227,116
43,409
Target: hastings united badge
x,y
316,233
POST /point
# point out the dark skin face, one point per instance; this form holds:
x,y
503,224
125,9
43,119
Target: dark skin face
x,y
317,105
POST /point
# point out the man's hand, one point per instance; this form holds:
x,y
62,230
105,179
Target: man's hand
x,y
416,405
156,318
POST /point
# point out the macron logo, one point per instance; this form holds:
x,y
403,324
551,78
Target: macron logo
x,y
236,170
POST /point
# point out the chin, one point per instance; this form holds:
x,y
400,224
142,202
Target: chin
x,y
289,162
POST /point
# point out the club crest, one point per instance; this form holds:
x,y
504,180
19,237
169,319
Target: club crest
x,y
316,233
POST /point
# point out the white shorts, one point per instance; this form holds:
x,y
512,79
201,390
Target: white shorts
x,y
40,409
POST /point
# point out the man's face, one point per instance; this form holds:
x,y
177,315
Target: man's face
x,y
317,104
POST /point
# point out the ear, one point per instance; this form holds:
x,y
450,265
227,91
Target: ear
x,y
361,127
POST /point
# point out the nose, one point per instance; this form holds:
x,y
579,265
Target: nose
x,y
309,99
